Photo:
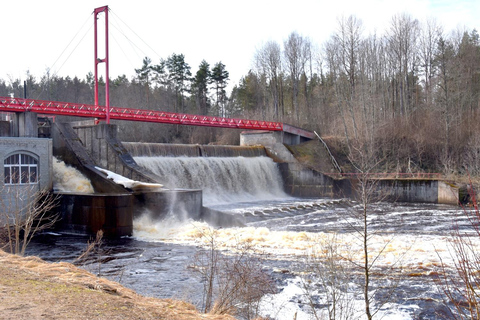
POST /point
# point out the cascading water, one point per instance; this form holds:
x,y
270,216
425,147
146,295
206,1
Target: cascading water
x,y
68,179
222,179
412,238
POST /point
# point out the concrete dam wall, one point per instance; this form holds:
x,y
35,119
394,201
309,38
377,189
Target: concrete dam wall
x,y
112,207
192,150
203,172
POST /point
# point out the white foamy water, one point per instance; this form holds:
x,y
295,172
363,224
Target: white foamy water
x,y
413,253
411,243
222,179
68,179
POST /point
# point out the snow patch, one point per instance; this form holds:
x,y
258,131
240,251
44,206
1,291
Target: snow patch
x,y
129,183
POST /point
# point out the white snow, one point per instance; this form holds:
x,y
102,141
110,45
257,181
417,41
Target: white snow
x,y
128,183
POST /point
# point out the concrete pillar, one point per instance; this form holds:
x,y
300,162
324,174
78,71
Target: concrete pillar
x,y
27,124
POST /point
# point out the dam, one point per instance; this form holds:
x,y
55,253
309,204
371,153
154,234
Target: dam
x,y
189,179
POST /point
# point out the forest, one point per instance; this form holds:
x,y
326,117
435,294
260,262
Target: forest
x,y
407,99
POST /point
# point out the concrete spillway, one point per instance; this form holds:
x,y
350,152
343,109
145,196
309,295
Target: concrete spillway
x,y
191,150
112,207
192,173
222,179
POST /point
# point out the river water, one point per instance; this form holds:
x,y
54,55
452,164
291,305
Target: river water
x,y
407,242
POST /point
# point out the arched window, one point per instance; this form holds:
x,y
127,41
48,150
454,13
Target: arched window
x,y
20,169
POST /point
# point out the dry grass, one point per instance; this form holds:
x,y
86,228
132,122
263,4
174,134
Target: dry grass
x,y
33,289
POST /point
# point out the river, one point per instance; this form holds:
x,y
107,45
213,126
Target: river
x,y
407,242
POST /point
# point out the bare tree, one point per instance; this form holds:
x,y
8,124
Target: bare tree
x,y
327,280
403,42
461,281
431,33
25,211
297,50
364,159
269,62
233,284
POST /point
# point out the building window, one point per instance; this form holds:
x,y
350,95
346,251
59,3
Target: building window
x,y
20,169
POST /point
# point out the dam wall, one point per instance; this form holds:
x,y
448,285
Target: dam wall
x,y
299,180
101,143
303,181
112,208
401,190
191,150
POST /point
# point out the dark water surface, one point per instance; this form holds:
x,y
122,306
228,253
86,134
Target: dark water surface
x,y
156,260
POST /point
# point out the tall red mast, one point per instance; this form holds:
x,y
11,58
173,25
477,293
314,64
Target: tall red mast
x,y
97,61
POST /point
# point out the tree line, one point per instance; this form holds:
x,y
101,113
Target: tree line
x,y
411,94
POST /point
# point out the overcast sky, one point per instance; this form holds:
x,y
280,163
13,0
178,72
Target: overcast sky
x,y
58,35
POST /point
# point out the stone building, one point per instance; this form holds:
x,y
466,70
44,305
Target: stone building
x,y
26,164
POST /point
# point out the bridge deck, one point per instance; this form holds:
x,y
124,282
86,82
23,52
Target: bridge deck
x,y
8,104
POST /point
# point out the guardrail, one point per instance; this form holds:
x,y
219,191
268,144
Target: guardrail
x,y
388,175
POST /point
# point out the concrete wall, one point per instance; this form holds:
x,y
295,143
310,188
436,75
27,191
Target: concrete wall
x,y
448,193
299,181
88,213
290,135
27,124
264,138
417,190
107,152
410,190
403,190
304,182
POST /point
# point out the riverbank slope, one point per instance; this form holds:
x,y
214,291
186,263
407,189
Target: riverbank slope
x,y
31,288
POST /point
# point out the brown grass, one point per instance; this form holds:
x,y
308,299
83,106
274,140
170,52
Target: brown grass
x,y
33,289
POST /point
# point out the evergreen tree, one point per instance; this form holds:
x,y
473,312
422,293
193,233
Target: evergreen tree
x,y
220,81
159,74
200,87
179,77
143,75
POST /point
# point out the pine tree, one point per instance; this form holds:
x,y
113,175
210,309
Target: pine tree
x,y
220,80
200,87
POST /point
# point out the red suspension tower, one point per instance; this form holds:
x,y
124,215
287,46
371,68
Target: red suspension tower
x,y
97,61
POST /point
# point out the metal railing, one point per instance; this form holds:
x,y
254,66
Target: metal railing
x,y
388,175
8,104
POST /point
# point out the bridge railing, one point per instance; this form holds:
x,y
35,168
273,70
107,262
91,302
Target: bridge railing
x,y
8,104
389,175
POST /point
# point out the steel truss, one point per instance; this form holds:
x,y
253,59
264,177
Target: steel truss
x,y
8,104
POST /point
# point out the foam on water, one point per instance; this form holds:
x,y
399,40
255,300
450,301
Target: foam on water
x,y
68,179
284,306
410,241
414,254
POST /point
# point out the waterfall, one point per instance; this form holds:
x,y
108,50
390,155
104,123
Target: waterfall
x,y
222,179
68,179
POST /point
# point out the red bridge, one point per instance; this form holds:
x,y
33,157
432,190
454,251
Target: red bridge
x,y
107,112
100,112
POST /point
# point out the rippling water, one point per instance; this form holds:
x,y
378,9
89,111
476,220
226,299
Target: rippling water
x,y
155,260
407,241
